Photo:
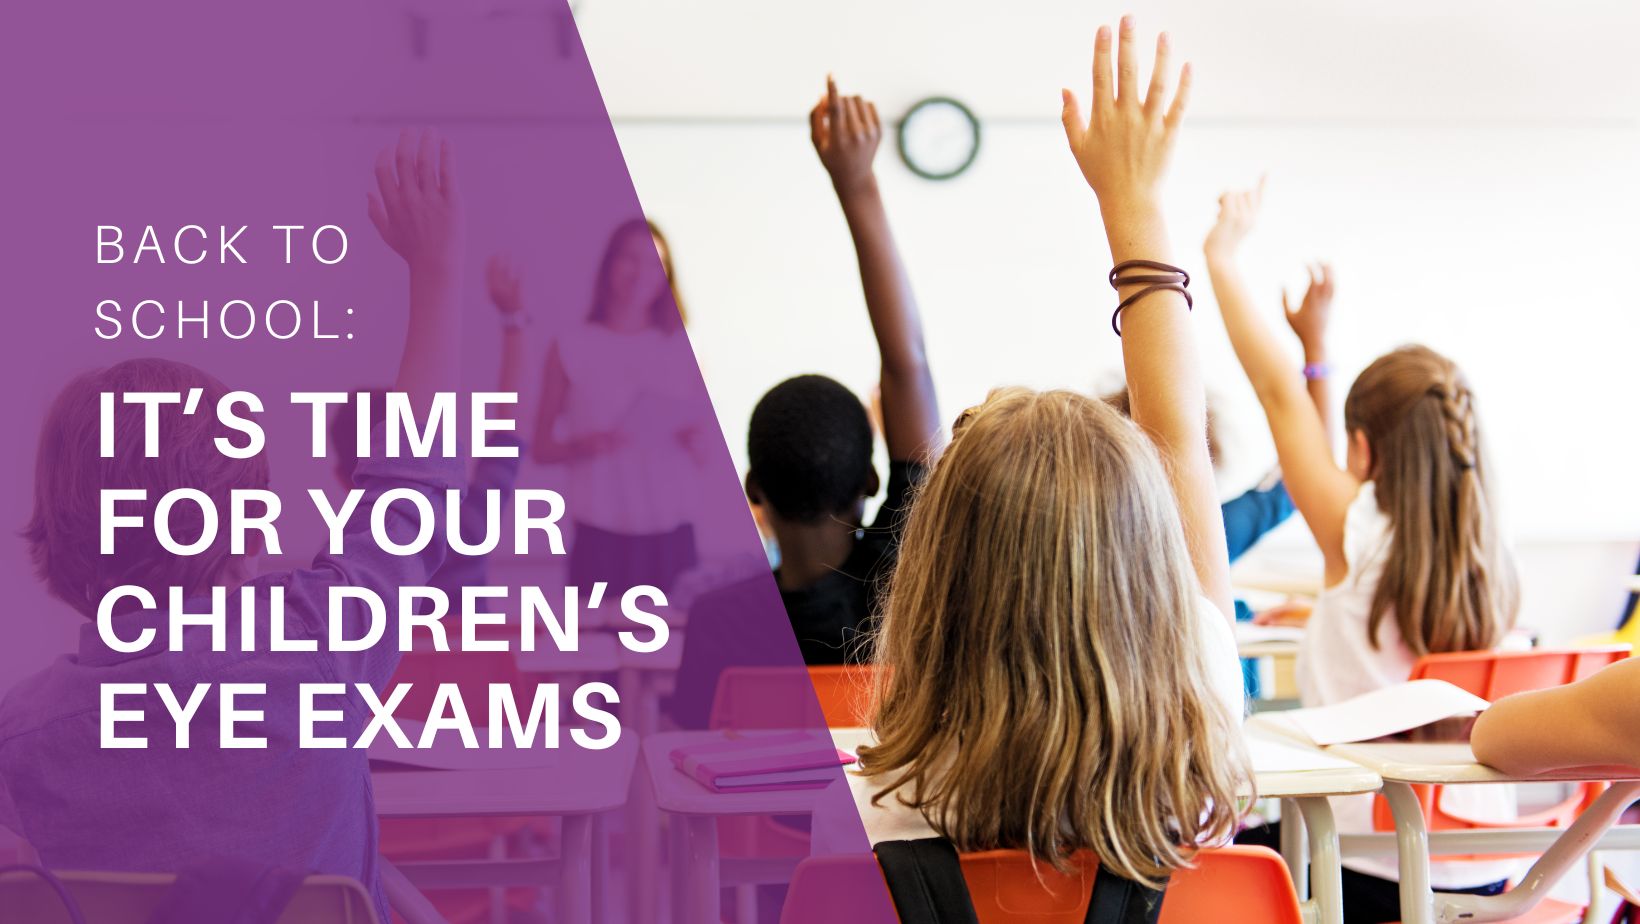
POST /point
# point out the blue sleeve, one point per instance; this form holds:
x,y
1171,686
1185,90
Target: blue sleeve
x,y
1250,516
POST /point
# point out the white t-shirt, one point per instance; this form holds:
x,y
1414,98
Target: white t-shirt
x,y
636,487
892,819
1336,662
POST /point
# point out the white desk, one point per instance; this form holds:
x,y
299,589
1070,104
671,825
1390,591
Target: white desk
x,y
1404,765
600,782
1309,836
698,871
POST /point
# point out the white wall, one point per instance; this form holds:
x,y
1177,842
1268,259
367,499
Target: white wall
x,y
1470,172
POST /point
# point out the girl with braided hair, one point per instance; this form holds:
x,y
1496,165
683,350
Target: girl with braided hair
x,y
1415,562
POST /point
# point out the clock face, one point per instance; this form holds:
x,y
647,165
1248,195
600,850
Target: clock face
x,y
939,138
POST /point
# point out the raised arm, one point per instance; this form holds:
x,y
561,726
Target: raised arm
x,y
1309,323
507,294
1123,147
1591,723
846,131
1320,490
416,210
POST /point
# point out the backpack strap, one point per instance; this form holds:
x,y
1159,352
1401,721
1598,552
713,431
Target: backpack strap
x,y
1122,901
925,880
228,890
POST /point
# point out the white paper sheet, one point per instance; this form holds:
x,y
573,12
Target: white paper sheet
x,y
1271,756
1387,711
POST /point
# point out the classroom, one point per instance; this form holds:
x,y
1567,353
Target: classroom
x,y
970,464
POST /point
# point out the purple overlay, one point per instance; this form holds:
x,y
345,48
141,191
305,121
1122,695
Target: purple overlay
x,y
142,139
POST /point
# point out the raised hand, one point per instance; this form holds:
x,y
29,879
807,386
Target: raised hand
x,y
845,131
506,286
1238,212
1124,144
415,207
1309,319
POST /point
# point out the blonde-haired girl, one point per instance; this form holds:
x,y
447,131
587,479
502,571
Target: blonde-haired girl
x,y
1051,675
1414,560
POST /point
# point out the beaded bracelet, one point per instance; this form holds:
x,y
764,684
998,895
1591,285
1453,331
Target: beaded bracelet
x,y
1317,371
1171,279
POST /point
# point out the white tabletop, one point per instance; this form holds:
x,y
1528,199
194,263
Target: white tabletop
x,y
575,781
680,794
1284,769
1409,762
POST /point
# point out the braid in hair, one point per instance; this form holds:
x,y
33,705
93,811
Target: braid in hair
x,y
1458,410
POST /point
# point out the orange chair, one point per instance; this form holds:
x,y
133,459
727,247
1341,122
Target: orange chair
x,y
1228,885
1492,675
751,698
833,696
844,693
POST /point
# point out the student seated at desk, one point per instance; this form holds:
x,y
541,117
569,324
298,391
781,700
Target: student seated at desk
x,y
161,808
1414,561
1591,723
1057,669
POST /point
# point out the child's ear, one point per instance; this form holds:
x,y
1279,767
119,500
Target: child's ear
x,y
872,483
753,493
1360,454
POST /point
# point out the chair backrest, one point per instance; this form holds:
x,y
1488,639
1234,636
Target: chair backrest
x,y
472,673
751,698
844,693
1227,885
131,898
1492,675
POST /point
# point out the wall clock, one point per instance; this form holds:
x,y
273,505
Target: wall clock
x,y
938,138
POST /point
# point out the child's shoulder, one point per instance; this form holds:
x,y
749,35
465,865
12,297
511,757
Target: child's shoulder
x,y
888,818
57,692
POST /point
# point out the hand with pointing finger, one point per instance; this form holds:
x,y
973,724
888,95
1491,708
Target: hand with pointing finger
x,y
846,132
1238,212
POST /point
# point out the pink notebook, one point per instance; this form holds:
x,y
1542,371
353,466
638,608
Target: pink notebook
x,y
760,763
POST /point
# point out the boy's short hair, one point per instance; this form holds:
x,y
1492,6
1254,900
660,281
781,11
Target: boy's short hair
x,y
344,422
809,448
63,534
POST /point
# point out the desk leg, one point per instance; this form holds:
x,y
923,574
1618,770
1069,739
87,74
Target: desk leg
x,y
575,871
1326,871
1292,847
1412,847
599,878
405,899
642,819
677,866
701,869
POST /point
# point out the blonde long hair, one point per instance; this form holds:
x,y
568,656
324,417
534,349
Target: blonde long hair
x,y
1041,677
1449,579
